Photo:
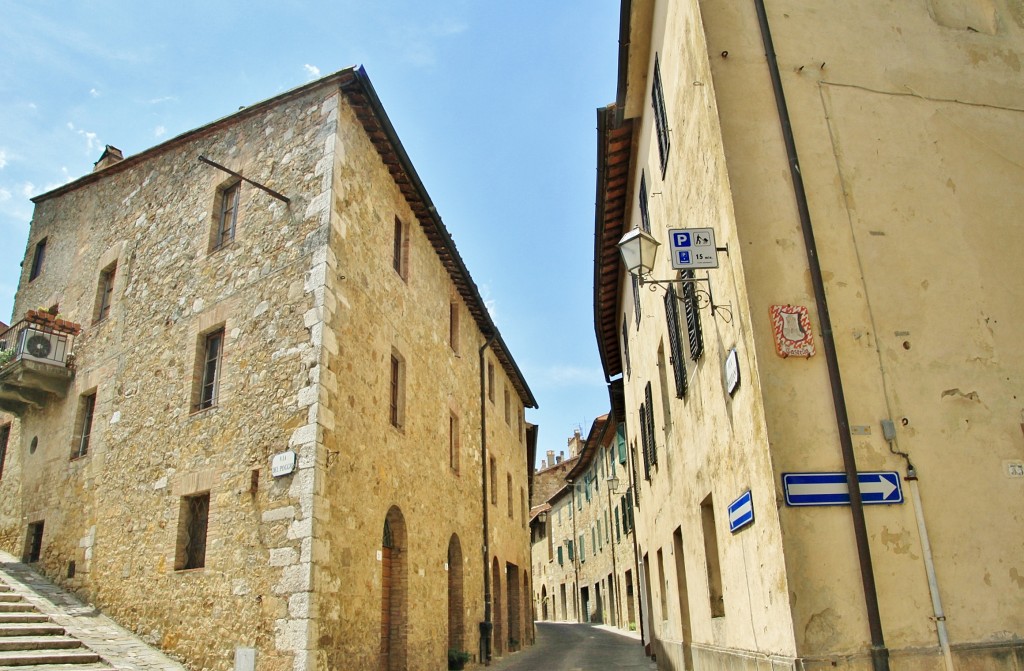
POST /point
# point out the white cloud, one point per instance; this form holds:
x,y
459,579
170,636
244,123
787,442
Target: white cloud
x,y
312,70
4,195
91,143
28,189
94,93
3,158
165,99
159,131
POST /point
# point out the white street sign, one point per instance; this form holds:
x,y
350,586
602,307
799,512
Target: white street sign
x,y
692,248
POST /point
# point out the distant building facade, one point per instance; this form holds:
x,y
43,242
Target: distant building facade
x,y
859,165
275,421
583,550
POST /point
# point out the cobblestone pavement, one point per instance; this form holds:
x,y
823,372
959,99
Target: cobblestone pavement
x,y
563,646
119,648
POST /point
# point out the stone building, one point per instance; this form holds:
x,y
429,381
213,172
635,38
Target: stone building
x,y
860,167
583,551
277,424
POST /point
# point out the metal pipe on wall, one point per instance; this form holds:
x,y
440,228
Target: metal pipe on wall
x,y
879,653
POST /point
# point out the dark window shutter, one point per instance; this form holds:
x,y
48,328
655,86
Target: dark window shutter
x,y
625,344
693,331
645,440
645,215
636,299
675,341
650,424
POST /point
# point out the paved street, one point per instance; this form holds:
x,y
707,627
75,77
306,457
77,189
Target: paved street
x,y
577,647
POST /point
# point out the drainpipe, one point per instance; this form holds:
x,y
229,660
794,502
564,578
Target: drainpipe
x,y
879,653
929,565
486,626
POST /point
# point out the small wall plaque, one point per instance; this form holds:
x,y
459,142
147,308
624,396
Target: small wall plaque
x,y
792,327
282,464
732,372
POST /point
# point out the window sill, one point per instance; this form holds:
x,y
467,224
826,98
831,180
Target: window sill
x,y
199,412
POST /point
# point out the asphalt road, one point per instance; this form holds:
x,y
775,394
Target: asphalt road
x,y
576,647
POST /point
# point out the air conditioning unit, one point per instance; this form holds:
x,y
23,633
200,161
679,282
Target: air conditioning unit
x,y
44,347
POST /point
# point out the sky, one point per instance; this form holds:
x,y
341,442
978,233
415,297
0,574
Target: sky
x,y
494,102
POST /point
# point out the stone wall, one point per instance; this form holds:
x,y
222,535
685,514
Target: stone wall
x,y
311,312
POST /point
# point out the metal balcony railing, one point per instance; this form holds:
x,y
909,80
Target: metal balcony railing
x,y
42,341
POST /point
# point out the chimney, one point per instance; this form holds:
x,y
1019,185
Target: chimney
x,y
110,156
561,457
543,465
551,457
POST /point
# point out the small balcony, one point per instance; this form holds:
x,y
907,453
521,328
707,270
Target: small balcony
x,y
36,362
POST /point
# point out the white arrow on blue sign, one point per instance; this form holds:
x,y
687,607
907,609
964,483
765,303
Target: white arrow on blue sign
x,y
741,512
831,489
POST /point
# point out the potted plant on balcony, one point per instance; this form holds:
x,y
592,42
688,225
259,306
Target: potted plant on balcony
x,y
5,356
457,658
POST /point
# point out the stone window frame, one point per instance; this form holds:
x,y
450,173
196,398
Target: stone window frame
x,y
494,481
84,422
227,203
38,259
5,438
454,444
511,507
400,249
209,368
33,541
396,392
105,293
454,318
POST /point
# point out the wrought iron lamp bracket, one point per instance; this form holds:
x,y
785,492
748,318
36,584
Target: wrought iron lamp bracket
x,y
704,296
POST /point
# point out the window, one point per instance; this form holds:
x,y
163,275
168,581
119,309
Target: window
x,y
494,483
663,585
675,342
396,407
711,559
618,531
37,260
636,298
660,116
583,549
400,251
522,506
569,547
453,326
211,347
625,344
193,521
490,381
83,425
33,542
694,334
663,390
508,406
453,442
5,436
508,477
647,432
645,215
226,217
560,555
105,293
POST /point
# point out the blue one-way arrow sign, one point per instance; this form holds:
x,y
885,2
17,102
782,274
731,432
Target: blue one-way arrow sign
x,y
830,489
741,512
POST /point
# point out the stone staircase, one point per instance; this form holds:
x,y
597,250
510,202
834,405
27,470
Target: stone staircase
x,y
29,640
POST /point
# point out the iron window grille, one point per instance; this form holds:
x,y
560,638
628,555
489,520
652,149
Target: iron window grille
x,y
193,524
106,293
37,260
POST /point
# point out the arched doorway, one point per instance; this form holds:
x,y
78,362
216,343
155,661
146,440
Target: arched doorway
x,y
544,602
498,635
393,593
456,628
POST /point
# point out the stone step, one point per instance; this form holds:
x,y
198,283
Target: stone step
x,y
19,607
38,643
38,657
30,629
8,597
8,618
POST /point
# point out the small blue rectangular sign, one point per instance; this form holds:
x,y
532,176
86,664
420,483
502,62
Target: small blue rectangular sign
x,y
831,489
741,512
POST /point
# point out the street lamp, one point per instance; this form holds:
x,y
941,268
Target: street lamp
x,y
639,248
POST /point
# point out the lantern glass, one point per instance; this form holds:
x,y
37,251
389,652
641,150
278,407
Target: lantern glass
x,y
638,249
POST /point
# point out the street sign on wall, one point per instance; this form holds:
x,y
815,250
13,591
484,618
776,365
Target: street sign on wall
x,y
831,489
692,248
741,512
